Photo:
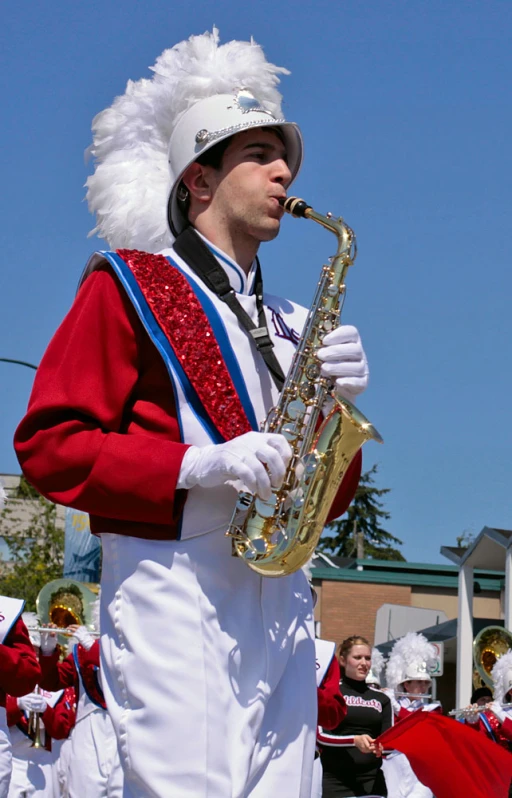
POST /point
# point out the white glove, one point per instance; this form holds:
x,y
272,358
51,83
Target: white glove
x,y
84,637
242,459
344,361
48,643
496,709
32,702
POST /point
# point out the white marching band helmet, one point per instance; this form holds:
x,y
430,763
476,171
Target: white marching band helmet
x,y
411,658
501,675
377,665
200,94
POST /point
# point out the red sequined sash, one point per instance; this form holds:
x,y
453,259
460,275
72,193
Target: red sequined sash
x,y
184,323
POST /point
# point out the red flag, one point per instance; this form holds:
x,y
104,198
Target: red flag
x,y
450,758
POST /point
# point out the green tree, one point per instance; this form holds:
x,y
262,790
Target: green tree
x,y
358,533
29,526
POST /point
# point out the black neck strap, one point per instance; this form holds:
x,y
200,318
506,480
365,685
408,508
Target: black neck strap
x,y
196,254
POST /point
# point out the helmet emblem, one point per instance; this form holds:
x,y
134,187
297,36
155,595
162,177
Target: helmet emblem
x,y
247,102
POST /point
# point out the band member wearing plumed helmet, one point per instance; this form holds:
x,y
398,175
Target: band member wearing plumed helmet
x,y
145,414
409,685
19,672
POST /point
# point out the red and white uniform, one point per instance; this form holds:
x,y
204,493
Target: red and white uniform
x,y
332,707
497,729
19,673
93,769
400,778
33,771
187,629
62,748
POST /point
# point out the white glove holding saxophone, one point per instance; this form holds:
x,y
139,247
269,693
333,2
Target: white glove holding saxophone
x,y
244,459
32,702
344,361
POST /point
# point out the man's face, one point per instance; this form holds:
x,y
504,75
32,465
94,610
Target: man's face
x,y
245,190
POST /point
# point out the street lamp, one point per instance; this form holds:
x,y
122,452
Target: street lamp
x,y
18,362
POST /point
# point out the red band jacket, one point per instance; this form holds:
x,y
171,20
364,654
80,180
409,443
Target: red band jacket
x,y
101,432
19,668
58,720
332,707
56,675
499,732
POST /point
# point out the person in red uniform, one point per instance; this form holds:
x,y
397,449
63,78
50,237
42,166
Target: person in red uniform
x,y
33,772
146,409
409,683
94,770
19,674
61,748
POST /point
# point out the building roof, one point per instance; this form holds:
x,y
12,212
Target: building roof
x,y
487,551
397,572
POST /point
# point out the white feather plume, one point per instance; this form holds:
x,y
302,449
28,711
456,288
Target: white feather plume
x,y
130,186
378,660
411,649
500,676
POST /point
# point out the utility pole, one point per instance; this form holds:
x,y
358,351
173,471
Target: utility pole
x,y
358,542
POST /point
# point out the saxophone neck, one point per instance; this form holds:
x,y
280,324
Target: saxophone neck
x,y
344,234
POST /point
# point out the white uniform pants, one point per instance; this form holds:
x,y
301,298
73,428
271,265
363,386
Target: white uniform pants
x,y
94,769
316,786
401,780
208,671
5,755
32,770
61,750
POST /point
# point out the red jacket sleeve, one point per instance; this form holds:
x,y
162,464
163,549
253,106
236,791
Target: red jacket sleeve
x,y
73,444
332,707
19,668
59,720
55,674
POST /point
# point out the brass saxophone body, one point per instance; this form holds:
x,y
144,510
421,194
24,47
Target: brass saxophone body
x,y
278,536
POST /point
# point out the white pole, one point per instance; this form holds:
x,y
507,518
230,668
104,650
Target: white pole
x,y
508,589
465,637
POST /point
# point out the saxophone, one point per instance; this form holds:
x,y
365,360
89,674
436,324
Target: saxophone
x,y
278,536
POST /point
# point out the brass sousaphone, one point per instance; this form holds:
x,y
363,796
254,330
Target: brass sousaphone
x,y
65,602
488,646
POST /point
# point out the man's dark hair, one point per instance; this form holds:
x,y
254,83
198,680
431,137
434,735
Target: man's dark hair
x,y
480,693
212,157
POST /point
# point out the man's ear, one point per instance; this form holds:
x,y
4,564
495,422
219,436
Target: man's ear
x,y
197,179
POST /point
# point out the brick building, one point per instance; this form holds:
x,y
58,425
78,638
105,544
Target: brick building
x,y
351,591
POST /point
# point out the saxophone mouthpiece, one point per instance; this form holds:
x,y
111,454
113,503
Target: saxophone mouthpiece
x,y
294,206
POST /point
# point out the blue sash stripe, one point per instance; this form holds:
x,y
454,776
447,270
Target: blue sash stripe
x,y
224,343
488,726
165,349
77,666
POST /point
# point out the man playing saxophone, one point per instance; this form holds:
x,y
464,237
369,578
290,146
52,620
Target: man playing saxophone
x,y
145,413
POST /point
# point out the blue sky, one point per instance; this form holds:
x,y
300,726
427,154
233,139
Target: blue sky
x,y
406,113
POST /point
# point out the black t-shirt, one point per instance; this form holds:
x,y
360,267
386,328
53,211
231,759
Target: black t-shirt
x,y
346,770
